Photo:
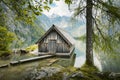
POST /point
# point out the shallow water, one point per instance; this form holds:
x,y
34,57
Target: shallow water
x,y
80,50
22,70
103,61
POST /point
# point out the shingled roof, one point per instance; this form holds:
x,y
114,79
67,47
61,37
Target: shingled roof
x,y
68,38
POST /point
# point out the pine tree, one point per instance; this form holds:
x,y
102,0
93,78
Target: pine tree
x,y
100,16
89,33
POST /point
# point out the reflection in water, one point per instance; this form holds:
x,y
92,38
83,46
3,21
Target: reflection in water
x,y
104,62
80,51
110,62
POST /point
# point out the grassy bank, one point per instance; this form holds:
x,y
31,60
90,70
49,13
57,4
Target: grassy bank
x,y
20,72
86,72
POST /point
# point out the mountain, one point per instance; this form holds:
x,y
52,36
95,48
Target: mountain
x,y
72,26
25,34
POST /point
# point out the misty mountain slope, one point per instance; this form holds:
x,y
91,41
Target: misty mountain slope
x,y
75,28
28,34
25,34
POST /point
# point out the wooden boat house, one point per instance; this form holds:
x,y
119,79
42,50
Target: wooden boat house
x,y
56,42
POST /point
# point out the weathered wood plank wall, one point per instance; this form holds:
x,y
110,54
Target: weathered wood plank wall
x,y
60,45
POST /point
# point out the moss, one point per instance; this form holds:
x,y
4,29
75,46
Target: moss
x,y
31,48
89,68
57,76
89,73
72,69
5,53
65,62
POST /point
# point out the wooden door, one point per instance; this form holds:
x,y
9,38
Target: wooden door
x,y
52,46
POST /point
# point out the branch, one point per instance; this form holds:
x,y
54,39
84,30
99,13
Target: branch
x,y
77,12
109,8
6,4
98,29
31,7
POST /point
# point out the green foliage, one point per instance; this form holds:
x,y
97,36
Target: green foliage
x,y
112,10
82,38
27,10
106,45
32,47
106,17
6,39
105,41
51,1
27,34
68,2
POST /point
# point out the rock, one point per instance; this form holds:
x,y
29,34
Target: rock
x,y
38,74
78,74
100,74
32,75
73,75
51,70
65,76
41,74
114,75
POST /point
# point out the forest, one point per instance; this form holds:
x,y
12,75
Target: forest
x,y
32,31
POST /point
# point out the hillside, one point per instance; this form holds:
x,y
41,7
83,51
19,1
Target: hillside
x,y
74,27
25,34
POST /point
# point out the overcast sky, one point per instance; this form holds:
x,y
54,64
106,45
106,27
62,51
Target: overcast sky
x,y
59,8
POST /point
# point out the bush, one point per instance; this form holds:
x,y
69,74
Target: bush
x,y
5,53
6,38
31,48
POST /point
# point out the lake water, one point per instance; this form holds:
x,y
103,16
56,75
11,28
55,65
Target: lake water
x,y
104,63
80,50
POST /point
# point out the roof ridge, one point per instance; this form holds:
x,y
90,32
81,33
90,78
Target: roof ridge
x,y
60,31
66,34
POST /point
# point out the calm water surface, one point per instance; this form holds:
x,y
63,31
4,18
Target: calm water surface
x,y
80,51
105,62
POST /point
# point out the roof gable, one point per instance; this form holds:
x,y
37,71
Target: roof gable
x,y
61,32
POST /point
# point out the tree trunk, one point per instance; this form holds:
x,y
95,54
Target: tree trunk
x,y
89,32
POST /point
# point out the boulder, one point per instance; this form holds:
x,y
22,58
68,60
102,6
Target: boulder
x,y
100,74
41,74
73,75
38,74
78,74
51,70
65,76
